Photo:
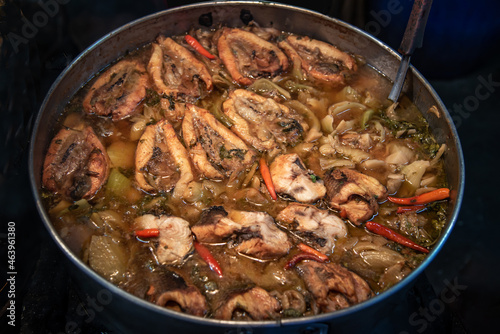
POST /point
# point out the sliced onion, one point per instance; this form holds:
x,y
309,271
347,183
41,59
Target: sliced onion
x,y
378,257
327,164
343,106
414,172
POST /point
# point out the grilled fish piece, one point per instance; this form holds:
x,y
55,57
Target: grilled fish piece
x,y
251,233
214,226
248,57
161,161
162,286
354,193
175,241
76,164
333,286
118,91
170,290
177,72
320,60
259,236
215,151
291,177
318,227
256,303
262,122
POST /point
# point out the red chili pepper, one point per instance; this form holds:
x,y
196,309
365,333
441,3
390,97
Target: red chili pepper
x,y
410,208
151,290
306,249
208,258
301,256
431,196
391,235
266,175
147,233
198,47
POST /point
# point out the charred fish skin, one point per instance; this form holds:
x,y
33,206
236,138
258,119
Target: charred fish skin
x,y
175,241
320,60
76,164
262,122
259,236
118,91
176,72
354,193
214,226
216,152
319,228
161,161
248,57
167,287
256,302
291,177
333,286
254,234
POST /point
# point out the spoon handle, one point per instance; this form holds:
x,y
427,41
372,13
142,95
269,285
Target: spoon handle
x,y
400,79
412,39
414,33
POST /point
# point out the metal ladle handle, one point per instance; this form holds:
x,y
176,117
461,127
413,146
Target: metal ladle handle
x,y
412,39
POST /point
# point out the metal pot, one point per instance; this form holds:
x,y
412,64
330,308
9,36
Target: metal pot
x,y
127,313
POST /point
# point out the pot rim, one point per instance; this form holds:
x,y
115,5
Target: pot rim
x,y
230,323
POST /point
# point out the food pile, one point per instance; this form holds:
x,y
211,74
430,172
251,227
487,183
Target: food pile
x,y
245,173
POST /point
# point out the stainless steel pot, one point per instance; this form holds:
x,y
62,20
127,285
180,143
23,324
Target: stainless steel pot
x,y
127,313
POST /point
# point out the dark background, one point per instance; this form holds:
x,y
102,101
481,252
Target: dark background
x,y
459,54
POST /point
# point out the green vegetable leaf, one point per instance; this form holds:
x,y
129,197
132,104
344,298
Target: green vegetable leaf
x,y
233,153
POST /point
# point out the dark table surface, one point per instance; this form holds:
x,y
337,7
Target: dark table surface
x,y
461,63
